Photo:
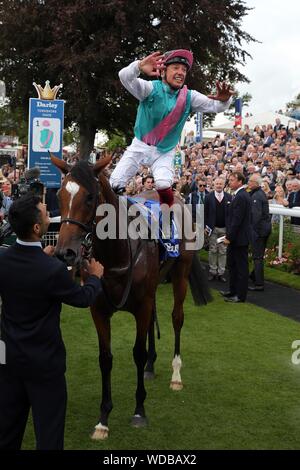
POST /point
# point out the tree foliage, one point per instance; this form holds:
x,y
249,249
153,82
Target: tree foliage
x,y
294,104
293,107
13,123
84,43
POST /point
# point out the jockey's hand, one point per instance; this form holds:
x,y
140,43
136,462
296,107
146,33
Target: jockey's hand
x,y
226,241
49,250
224,92
94,268
152,64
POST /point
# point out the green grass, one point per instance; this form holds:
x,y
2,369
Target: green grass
x,y
271,274
241,390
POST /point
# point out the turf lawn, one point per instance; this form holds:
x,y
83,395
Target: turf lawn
x,y
241,390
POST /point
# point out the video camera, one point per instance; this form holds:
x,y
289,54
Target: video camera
x,y
29,182
5,231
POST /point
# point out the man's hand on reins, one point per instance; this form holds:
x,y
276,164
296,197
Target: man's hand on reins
x,y
92,268
49,250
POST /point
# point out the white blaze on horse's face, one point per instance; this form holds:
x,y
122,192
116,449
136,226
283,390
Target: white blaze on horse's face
x,y
72,189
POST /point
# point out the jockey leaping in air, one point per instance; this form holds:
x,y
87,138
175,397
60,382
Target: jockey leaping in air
x,y
163,110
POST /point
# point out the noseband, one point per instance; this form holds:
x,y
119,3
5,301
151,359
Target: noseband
x,y
85,227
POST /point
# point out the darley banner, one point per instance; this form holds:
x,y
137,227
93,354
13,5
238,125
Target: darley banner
x,y
46,122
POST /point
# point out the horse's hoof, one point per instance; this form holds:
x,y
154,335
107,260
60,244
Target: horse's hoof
x,y
148,375
100,433
176,386
139,421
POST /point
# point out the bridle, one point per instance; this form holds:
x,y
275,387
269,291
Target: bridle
x,y
85,227
86,245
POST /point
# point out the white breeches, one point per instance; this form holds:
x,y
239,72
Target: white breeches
x,y
139,153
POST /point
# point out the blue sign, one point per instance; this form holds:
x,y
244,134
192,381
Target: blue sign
x,y
46,123
238,112
199,127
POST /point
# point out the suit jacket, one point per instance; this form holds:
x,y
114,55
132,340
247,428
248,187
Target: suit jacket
x,y
238,231
260,214
294,201
33,286
194,198
210,209
268,141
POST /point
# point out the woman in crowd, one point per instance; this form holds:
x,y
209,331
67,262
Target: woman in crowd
x,y
279,198
266,189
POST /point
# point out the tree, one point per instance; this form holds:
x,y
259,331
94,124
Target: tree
x,y
115,141
293,107
13,123
84,43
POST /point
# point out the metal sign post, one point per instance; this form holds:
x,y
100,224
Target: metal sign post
x,y
199,127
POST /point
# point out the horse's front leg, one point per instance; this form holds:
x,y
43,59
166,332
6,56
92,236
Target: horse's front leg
x,y
102,323
142,317
180,283
151,355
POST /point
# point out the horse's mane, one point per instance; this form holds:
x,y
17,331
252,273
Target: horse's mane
x,y
82,172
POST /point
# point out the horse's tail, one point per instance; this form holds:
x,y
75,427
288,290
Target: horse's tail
x,y
199,283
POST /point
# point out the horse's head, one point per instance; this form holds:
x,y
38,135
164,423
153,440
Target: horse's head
x,y
78,200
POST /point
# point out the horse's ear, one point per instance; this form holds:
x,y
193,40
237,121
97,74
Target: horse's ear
x,y
101,164
61,164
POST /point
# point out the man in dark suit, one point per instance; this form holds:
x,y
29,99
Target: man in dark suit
x,y
197,196
294,199
33,286
261,229
216,209
237,239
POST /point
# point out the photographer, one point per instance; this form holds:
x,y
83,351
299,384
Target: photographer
x,y
33,286
29,182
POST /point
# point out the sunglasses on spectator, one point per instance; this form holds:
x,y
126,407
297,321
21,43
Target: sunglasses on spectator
x,y
202,185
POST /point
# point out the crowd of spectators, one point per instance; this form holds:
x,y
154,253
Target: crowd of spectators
x,y
271,150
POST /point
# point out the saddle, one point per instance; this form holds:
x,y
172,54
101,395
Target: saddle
x,y
165,232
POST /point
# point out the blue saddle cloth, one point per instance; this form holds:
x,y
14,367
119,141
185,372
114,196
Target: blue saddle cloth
x,y
153,215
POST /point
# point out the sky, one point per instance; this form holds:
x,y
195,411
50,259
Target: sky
x,y
274,70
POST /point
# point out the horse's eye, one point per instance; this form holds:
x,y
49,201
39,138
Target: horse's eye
x,y
89,199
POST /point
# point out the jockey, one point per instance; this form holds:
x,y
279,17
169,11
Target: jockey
x,y
164,107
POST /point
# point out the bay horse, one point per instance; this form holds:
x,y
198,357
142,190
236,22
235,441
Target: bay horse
x,y
131,276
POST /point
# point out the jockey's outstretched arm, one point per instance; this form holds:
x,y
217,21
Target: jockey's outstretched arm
x,y
138,87
204,104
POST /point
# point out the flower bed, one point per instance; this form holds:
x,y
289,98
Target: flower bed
x,y
290,260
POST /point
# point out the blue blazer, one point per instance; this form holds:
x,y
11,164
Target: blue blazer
x,y
239,220
33,286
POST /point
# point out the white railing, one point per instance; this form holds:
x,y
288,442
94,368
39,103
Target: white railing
x,y
277,209
280,210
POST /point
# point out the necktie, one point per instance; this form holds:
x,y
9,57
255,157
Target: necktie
x,y
294,198
202,198
219,197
